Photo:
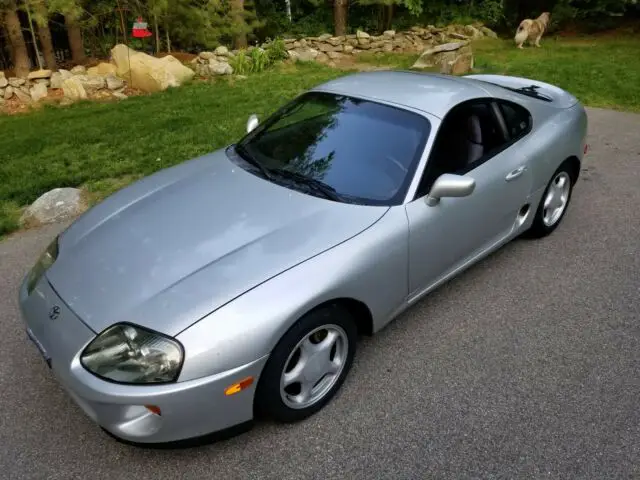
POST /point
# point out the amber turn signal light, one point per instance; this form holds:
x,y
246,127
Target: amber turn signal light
x,y
238,387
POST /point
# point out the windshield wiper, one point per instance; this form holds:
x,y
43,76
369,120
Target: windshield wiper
x,y
249,159
321,187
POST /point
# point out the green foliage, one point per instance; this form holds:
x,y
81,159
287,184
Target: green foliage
x,y
241,63
277,50
260,60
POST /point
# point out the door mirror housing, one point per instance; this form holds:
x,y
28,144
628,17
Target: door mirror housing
x,y
449,185
252,122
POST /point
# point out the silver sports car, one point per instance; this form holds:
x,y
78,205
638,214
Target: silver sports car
x,y
237,283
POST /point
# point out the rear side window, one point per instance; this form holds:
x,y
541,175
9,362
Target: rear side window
x,y
517,118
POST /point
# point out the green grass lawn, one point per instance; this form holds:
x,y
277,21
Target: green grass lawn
x,y
104,146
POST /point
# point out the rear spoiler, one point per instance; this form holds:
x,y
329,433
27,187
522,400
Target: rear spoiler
x,y
542,91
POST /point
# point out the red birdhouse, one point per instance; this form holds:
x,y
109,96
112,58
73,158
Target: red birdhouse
x,y
140,29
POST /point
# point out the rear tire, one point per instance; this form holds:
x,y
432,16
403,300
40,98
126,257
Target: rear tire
x,y
554,202
308,365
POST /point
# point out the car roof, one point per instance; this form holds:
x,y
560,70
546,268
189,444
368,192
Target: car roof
x,y
429,92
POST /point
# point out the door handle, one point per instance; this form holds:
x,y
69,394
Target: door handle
x,y
515,174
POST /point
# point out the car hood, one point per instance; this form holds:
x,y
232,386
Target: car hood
x,y
175,246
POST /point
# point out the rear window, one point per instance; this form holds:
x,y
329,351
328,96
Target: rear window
x,y
517,118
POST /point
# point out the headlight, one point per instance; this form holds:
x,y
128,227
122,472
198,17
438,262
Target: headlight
x,y
130,354
42,265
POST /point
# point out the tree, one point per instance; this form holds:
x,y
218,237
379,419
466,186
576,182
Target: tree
x,y
340,17
9,12
72,11
237,10
41,16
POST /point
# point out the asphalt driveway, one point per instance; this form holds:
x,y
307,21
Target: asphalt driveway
x,y
527,366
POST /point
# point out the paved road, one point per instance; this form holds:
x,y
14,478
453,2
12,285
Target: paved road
x,y
528,365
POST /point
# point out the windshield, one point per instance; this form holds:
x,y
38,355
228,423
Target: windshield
x,y
365,151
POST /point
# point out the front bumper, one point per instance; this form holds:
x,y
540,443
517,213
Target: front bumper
x,y
188,409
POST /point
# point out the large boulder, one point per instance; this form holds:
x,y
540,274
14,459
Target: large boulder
x,y
54,206
147,73
451,58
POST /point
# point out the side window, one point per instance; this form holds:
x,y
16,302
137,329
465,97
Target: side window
x,y
517,118
468,136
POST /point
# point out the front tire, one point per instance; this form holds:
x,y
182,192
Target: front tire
x,y
308,365
554,202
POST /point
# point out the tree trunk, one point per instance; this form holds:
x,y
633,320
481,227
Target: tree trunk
x,y
75,40
33,37
387,17
157,28
45,37
240,40
21,62
340,17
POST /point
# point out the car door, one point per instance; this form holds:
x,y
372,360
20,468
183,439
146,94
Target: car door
x,y
446,237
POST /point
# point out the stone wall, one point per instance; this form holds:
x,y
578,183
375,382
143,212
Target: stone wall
x,y
446,49
77,83
327,47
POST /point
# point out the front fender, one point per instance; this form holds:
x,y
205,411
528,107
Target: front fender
x,y
371,268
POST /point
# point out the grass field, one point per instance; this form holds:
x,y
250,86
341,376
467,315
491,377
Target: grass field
x,y
105,146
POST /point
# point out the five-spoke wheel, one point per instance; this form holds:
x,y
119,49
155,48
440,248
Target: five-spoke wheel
x,y
308,365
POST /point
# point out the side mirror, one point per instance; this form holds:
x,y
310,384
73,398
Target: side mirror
x,y
448,185
252,123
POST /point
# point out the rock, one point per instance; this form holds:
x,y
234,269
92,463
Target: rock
x,y
16,82
54,206
39,74
334,55
65,73
147,73
24,97
3,81
348,48
449,57
473,32
360,34
488,32
304,54
324,37
387,47
92,83
461,64
1,100
8,92
79,70
206,55
113,82
389,33
335,41
322,57
56,81
325,47
103,69
119,95
222,51
458,36
73,89
220,68
38,92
